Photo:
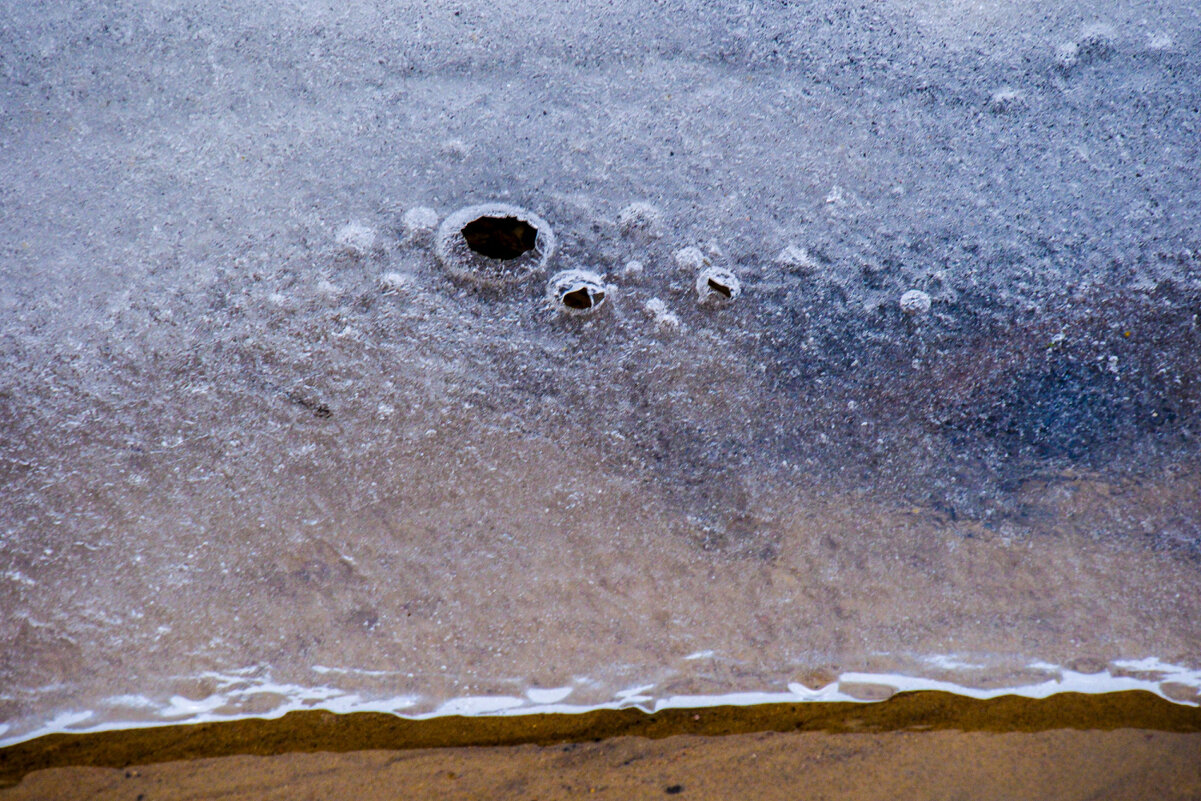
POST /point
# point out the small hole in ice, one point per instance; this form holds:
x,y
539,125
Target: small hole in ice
x,y
582,299
720,289
500,237
577,291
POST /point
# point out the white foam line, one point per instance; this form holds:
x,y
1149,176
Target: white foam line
x,y
550,701
950,662
354,671
548,695
699,655
308,699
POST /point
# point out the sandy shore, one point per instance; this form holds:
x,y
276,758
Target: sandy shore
x,y
1063,764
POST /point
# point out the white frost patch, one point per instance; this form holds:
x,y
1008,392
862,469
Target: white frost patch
x,y
356,238
949,662
728,699
551,695
419,223
130,701
1067,54
67,720
634,692
1150,664
393,283
1165,671
478,705
1159,41
185,707
690,258
915,302
642,218
796,259
455,149
19,577
327,289
828,693
700,655
356,671
662,317
1005,99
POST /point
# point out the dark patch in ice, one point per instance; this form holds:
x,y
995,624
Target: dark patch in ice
x,y
500,237
1061,409
1095,44
363,618
318,409
985,392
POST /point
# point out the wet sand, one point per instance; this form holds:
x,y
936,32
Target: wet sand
x,y
1128,764
922,745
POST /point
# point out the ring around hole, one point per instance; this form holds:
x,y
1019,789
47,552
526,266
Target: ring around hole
x,y
501,238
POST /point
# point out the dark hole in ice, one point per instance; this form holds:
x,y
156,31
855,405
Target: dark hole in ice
x,y
582,299
720,289
500,237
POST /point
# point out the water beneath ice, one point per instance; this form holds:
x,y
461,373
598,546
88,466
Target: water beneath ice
x,y
895,378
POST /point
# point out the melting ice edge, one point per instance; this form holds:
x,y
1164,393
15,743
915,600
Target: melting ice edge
x,y
238,686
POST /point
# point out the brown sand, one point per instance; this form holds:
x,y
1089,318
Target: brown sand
x,y
1123,764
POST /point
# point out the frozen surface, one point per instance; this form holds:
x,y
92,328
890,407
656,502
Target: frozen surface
x,y
258,448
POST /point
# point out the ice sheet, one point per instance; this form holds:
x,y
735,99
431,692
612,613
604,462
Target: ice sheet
x,y
944,431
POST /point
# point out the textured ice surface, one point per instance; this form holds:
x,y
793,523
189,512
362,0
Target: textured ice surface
x,y
251,428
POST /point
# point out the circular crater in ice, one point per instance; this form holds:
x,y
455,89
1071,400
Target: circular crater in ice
x,y
717,286
494,244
